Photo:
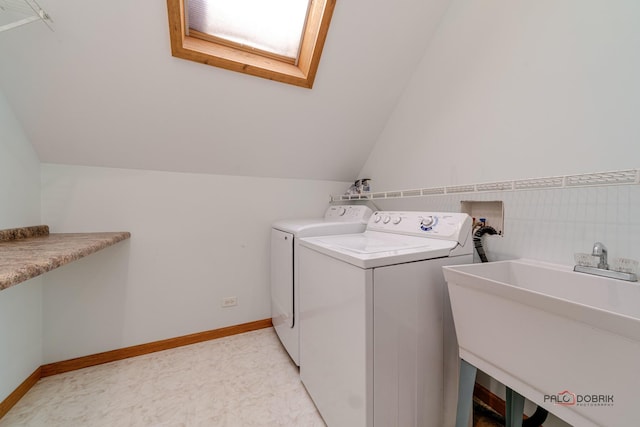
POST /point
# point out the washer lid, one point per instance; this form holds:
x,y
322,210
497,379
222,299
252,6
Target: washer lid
x,y
376,249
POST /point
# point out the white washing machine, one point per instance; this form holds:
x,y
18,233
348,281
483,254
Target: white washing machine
x,y
285,283
373,309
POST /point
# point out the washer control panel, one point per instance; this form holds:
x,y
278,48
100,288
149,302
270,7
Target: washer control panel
x,y
440,225
348,213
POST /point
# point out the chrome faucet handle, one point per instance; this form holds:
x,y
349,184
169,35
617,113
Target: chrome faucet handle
x,y
600,250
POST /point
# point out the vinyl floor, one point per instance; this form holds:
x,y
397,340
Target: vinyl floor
x,y
239,381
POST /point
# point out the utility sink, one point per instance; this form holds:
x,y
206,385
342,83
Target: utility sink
x,y
568,341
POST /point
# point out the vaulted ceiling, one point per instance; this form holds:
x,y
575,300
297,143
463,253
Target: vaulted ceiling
x,y
104,90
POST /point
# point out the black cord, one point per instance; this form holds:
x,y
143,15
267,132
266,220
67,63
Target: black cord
x,y
477,240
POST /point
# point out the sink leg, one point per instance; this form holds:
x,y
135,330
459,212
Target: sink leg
x,y
515,409
465,393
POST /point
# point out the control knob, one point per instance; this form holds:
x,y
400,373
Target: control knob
x,y
427,221
341,211
386,219
397,220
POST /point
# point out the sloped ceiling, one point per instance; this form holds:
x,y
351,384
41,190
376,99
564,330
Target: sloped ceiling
x,y
104,90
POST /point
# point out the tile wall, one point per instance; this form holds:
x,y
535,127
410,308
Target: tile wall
x,y
550,224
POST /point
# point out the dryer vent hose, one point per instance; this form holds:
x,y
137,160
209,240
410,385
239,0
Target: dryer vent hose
x,y
477,240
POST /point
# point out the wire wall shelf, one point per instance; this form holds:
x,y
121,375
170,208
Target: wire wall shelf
x,y
623,177
16,13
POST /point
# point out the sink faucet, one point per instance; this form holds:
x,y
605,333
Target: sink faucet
x,y
600,251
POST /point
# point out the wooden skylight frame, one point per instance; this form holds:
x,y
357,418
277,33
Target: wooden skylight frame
x,y
245,61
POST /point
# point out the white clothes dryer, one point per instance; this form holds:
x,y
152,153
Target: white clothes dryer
x,y
376,323
285,283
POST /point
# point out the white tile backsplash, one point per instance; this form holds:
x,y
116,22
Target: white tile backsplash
x,y
551,224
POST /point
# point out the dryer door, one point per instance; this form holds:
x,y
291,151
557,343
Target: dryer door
x,y
282,279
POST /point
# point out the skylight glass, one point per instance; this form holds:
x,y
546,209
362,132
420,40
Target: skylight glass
x,y
273,26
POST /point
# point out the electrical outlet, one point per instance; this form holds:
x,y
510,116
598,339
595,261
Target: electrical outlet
x,y
229,301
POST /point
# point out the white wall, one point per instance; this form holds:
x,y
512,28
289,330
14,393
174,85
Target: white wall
x,y
19,173
20,305
517,89
196,238
521,89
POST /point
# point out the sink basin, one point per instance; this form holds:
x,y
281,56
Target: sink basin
x,y
567,341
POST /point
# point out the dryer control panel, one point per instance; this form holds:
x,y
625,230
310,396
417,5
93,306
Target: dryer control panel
x,y
436,225
348,213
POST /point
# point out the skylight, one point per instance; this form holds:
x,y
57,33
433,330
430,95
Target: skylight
x,y
273,26
279,40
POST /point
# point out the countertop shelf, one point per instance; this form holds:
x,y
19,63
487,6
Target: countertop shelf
x,y
31,251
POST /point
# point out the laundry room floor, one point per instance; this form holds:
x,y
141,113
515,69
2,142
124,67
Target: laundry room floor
x,y
242,380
